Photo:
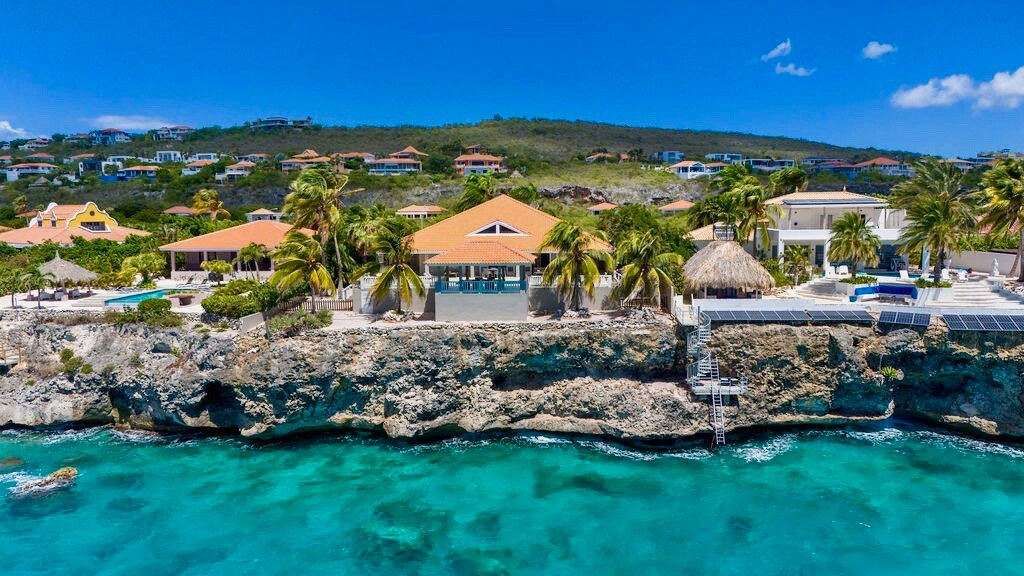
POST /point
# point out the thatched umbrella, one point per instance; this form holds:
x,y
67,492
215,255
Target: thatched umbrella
x,y
724,264
64,271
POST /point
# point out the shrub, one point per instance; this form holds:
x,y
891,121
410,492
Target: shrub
x,y
780,277
858,280
265,295
71,362
236,287
922,283
86,369
292,324
229,305
155,312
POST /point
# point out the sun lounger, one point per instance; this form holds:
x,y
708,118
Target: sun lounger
x,y
961,275
843,270
904,275
944,276
830,271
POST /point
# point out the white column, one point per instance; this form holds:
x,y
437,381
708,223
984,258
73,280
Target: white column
x,y
173,270
825,262
782,248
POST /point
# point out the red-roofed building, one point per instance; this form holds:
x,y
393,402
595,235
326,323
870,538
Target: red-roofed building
x,y
62,223
40,157
235,171
35,144
188,255
193,168
886,166
393,166
417,212
109,136
675,207
477,163
596,209
133,172
16,171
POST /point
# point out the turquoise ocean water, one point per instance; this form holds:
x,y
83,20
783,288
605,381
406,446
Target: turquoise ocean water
x,y
886,501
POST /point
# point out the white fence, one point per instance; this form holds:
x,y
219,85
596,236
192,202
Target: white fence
x,y
982,261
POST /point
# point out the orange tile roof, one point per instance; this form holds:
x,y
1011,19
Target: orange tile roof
x,y
686,163
391,160
715,165
455,230
477,252
602,207
411,150
417,209
179,210
262,211
471,157
269,233
40,155
832,196
880,161
33,165
62,211
199,163
60,235
676,206
242,164
307,153
83,156
351,155
141,169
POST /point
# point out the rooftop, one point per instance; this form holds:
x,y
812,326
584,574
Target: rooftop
x,y
676,206
268,233
480,252
826,198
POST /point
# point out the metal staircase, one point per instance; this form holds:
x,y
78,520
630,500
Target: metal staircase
x,y
704,378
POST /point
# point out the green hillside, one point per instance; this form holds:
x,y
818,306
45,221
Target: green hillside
x,y
537,140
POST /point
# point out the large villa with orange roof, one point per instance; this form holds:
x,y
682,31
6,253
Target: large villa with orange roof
x,y
188,255
303,160
16,171
485,264
477,163
62,223
886,166
405,161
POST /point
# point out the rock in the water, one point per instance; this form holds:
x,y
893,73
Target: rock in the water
x,y
62,478
11,463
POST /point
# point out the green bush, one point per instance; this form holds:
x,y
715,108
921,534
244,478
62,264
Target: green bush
x,y
86,369
230,305
858,280
236,287
773,268
292,324
922,283
265,296
155,312
71,362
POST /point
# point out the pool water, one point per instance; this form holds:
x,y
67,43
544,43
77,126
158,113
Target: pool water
x,y
131,299
880,501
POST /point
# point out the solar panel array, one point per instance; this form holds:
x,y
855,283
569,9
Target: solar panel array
x,y
984,322
904,318
821,316
756,315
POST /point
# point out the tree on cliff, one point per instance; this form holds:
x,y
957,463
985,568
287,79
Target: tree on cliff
x,y
940,211
852,239
394,252
1003,189
300,259
646,268
477,189
787,180
574,271
314,202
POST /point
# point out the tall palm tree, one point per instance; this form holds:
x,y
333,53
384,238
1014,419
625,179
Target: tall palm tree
x,y
792,179
314,202
394,253
11,281
756,214
645,268
300,259
574,271
477,189
1003,191
34,279
249,255
209,202
940,211
720,207
852,239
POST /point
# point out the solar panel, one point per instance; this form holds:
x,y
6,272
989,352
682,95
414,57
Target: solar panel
x,y
972,322
922,319
1019,322
955,322
887,317
988,323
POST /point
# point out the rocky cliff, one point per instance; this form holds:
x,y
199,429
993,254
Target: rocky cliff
x,y
616,379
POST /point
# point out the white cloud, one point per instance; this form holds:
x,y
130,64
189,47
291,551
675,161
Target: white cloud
x,y
132,122
783,49
1005,90
876,49
8,131
793,69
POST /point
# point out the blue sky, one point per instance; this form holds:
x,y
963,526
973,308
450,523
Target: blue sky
x,y
74,66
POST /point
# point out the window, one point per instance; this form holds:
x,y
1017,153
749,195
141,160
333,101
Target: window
x,y
497,228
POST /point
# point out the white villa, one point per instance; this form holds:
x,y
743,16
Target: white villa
x,y
193,168
211,156
173,132
768,164
807,219
727,157
689,169
16,171
235,171
162,156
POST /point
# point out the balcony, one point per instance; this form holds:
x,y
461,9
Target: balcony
x,y
479,286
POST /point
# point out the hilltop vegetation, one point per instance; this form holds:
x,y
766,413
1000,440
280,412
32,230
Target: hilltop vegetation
x,y
522,140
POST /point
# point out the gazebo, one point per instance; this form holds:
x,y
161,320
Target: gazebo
x,y
65,272
723,269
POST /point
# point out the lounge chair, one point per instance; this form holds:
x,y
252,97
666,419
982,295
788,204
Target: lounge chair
x,y
944,276
843,270
961,275
830,271
904,275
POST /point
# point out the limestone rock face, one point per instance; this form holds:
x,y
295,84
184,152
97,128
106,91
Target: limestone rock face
x,y
620,379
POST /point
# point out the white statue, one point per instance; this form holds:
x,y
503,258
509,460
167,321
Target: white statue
x,y
995,267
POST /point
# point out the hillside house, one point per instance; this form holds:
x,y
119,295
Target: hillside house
x,y
235,171
41,157
108,136
689,169
62,223
193,168
254,158
173,132
417,212
727,157
133,172
187,256
886,166
16,171
274,122
768,164
477,163
263,214
668,156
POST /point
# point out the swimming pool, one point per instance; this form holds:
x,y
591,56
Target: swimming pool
x,y
134,299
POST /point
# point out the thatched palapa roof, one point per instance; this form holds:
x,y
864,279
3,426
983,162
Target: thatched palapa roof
x,y
724,264
64,271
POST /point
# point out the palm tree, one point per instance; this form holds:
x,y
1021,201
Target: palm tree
x,y
250,254
852,239
218,268
20,205
756,214
940,211
645,268
209,202
796,259
1003,189
787,180
477,189
147,263
723,208
12,282
392,268
300,259
574,271
34,279
314,202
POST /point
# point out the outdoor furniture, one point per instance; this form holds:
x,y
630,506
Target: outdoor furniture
x,y
843,270
904,275
830,271
944,275
961,275
181,299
